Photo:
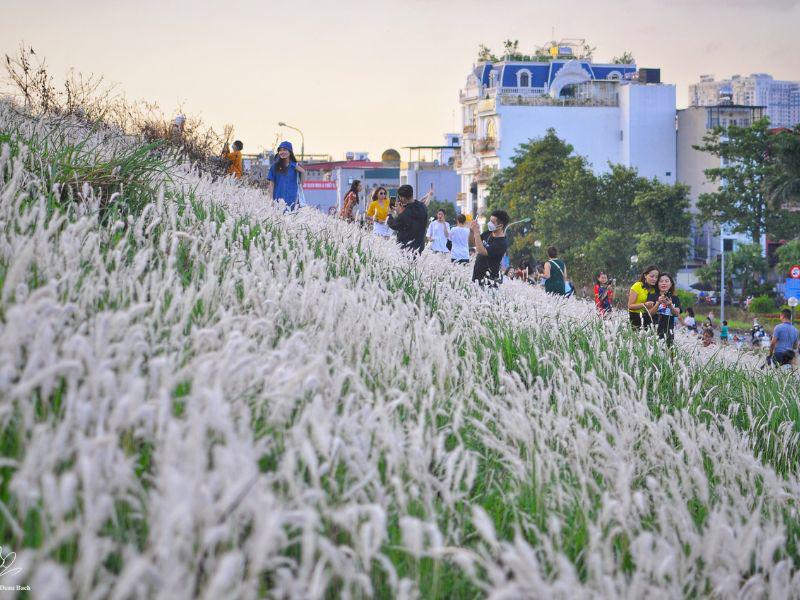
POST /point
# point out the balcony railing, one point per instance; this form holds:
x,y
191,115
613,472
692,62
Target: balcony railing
x,y
485,174
485,144
548,101
517,91
469,128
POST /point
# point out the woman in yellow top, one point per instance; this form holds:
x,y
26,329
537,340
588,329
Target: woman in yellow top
x,y
642,299
378,212
235,158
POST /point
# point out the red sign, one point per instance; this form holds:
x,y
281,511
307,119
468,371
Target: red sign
x,y
319,185
794,272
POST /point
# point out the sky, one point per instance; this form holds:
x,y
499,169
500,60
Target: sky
x,y
366,76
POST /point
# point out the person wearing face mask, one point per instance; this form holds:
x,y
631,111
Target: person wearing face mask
x,y
409,219
490,247
668,307
642,299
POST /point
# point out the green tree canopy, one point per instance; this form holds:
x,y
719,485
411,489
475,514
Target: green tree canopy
x,y
788,255
596,222
745,267
759,180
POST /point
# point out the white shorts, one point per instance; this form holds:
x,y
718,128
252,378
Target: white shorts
x,y
381,229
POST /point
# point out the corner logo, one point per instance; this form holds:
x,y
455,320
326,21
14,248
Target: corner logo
x,y
6,562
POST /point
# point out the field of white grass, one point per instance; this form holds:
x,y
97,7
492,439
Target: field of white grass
x,y
201,396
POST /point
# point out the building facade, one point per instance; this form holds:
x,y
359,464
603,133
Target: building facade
x,y
597,108
780,99
433,167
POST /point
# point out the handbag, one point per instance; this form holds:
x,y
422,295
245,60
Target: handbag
x,y
301,196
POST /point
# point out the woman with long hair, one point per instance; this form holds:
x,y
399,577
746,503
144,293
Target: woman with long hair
x,y
642,298
668,307
285,177
350,201
378,212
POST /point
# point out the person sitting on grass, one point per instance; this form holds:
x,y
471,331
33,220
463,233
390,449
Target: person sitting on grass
x,y
708,337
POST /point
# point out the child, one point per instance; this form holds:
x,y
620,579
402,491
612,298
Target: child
x,y
723,333
708,337
690,322
603,294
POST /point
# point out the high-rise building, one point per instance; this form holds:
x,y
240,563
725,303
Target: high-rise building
x,y
609,113
781,99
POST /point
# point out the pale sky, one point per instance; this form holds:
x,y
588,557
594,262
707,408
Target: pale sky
x,y
366,76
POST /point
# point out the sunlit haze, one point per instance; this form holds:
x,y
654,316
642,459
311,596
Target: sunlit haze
x,y
366,76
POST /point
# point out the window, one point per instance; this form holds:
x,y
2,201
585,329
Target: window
x,y
524,80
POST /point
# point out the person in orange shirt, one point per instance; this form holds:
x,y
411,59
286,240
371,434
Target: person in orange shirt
x,y
234,158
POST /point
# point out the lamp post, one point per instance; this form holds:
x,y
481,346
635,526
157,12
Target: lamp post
x,y
302,139
634,261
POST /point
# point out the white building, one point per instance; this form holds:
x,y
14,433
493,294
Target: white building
x,y
781,99
433,167
597,108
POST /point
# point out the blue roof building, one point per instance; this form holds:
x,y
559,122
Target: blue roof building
x,y
610,113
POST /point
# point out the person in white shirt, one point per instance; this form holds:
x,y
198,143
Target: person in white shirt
x,y
439,233
459,240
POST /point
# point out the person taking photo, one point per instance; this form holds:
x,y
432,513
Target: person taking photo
x,y
409,219
490,247
668,308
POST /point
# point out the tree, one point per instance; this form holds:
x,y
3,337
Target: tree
x,y
788,255
532,176
741,203
745,266
783,184
625,59
485,54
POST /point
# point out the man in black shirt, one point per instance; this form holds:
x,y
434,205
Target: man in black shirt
x,y
489,248
409,220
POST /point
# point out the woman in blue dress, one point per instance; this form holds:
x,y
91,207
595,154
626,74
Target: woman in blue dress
x,y
286,176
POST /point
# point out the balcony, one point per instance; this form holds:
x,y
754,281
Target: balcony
x,y
485,174
469,129
487,144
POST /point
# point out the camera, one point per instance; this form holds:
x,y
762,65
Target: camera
x,y
392,202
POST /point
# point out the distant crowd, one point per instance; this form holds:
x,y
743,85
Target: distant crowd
x,y
652,303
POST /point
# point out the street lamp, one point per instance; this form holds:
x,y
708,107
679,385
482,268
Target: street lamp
x,y
537,243
302,139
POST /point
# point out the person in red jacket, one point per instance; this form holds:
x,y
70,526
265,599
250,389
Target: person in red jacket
x,y
603,294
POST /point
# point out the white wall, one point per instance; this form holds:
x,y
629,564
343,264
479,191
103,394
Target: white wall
x,y
592,130
647,126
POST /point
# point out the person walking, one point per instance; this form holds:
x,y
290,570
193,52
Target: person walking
x,y
667,309
378,212
409,219
350,201
285,177
490,247
439,233
459,241
603,294
233,158
642,297
783,347
555,272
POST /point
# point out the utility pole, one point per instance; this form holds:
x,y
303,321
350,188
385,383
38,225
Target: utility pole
x,y
722,293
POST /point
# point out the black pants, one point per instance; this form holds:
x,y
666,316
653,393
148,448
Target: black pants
x,y
640,320
460,261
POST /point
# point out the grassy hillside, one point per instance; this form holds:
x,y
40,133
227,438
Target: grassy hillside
x,y
203,396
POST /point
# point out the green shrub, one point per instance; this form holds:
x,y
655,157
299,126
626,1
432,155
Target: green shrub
x,y
687,298
762,304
